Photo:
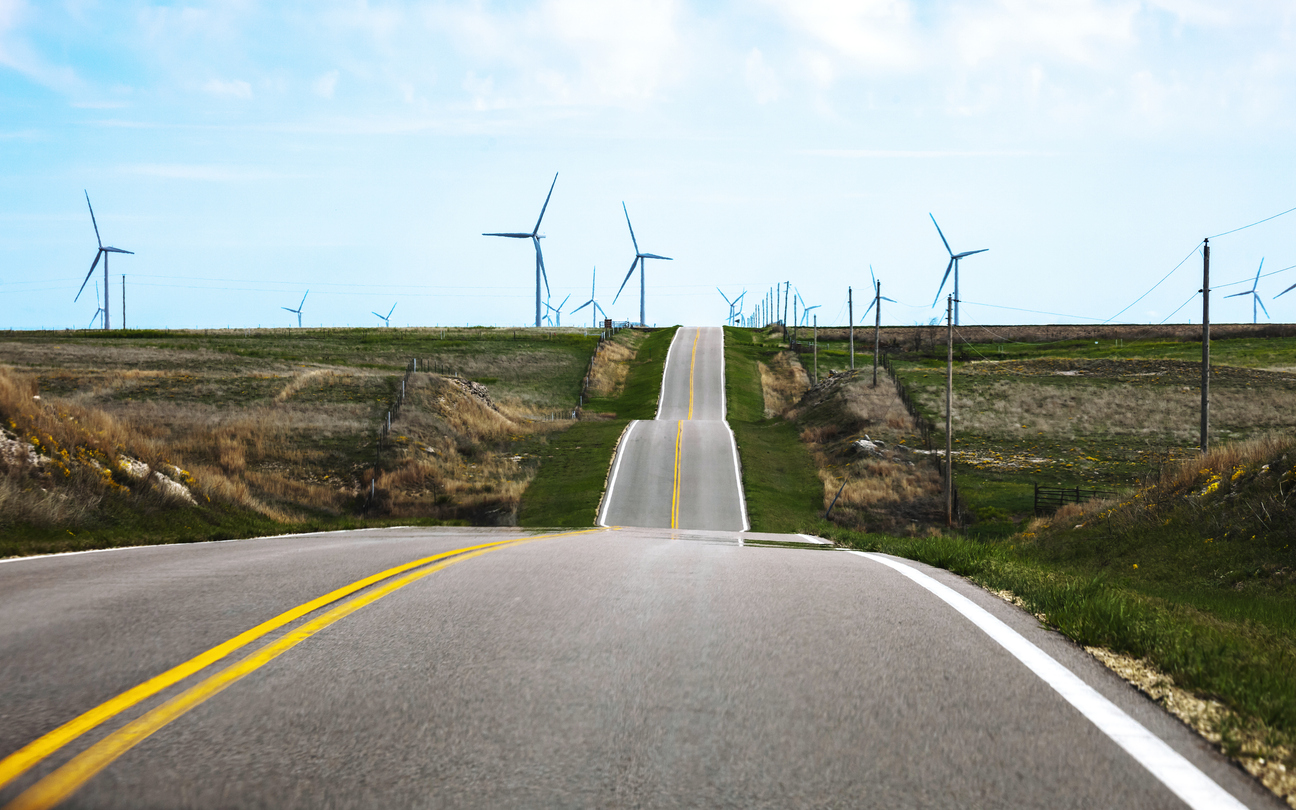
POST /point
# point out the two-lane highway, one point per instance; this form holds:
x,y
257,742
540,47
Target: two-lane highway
x,y
604,668
681,470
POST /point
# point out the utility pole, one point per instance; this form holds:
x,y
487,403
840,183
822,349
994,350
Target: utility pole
x,y
949,411
850,313
877,329
794,321
1205,386
123,301
816,348
787,285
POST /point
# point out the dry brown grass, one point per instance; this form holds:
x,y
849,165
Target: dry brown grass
x,y
783,382
456,459
891,490
1020,410
612,363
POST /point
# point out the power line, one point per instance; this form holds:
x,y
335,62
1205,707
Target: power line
x,y
1253,224
1184,304
1034,311
1154,286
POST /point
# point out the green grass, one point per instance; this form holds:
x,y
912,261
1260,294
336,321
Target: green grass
x,y
568,485
783,491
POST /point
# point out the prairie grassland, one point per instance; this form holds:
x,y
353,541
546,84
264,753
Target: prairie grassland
x,y
281,424
611,364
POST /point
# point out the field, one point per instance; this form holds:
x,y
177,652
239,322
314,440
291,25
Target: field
x,y
276,428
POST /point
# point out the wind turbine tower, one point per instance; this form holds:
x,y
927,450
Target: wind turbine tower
x,y
954,265
638,260
535,238
103,253
597,309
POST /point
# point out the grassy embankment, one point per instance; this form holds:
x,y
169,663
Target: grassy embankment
x,y
783,491
269,430
569,483
1193,574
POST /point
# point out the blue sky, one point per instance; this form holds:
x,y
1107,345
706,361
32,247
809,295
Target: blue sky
x,y
250,151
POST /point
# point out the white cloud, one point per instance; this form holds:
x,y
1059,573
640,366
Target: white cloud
x,y
1082,31
229,89
869,33
761,80
326,84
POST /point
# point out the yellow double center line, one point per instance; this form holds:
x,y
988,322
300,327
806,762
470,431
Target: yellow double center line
x,y
60,784
679,435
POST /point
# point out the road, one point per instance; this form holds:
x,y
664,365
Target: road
x,y
603,668
693,666
681,470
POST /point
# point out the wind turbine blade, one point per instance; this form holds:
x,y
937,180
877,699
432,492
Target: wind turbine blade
x,y
872,277
866,311
287,310
600,309
546,205
633,265
390,311
1262,306
1284,292
942,234
379,314
892,300
510,235
303,301
725,297
631,227
564,302
92,218
95,264
971,253
1257,278
582,306
1238,295
117,250
948,268
655,256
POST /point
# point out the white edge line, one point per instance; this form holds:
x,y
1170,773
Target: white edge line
x,y
810,538
616,468
205,542
742,500
1193,787
733,441
661,392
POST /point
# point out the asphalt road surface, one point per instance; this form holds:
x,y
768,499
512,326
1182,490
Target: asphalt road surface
x,y
599,668
681,470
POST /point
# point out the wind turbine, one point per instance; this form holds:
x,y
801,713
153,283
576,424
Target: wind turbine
x,y
386,319
557,312
877,297
535,238
734,304
103,253
638,260
98,309
1255,295
597,309
298,310
954,265
1284,292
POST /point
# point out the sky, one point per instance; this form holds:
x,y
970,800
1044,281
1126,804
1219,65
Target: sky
x,y
248,152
